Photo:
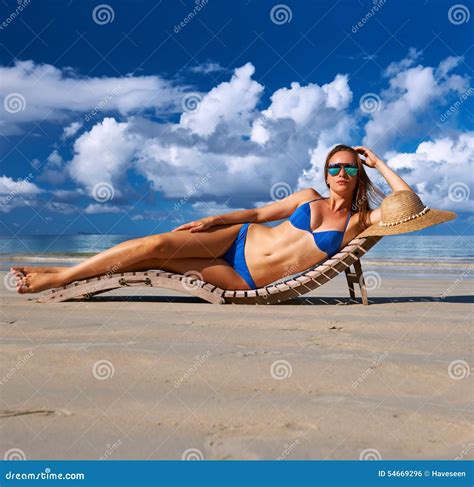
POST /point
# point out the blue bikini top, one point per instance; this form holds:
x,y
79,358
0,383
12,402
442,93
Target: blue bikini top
x,y
327,241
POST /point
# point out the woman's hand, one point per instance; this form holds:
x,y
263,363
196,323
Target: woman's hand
x,y
198,225
371,159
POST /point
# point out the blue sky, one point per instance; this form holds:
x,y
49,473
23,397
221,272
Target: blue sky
x,y
133,117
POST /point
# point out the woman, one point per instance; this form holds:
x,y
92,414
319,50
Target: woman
x,y
231,253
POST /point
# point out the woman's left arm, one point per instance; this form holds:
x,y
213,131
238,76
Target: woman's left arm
x,y
373,160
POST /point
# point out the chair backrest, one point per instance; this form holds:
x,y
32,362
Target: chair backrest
x,y
303,282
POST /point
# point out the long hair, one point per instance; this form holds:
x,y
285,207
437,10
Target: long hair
x,y
366,195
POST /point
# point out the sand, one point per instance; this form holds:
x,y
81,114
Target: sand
x,y
169,376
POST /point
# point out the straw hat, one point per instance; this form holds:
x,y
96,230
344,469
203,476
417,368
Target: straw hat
x,y
403,212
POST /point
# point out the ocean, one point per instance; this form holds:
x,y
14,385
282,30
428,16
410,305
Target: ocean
x,y
407,252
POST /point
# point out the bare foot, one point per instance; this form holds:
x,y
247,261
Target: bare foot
x,y
37,282
32,269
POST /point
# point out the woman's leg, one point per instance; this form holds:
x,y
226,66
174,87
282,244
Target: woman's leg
x,y
166,246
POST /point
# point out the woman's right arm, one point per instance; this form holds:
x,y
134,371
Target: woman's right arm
x,y
274,211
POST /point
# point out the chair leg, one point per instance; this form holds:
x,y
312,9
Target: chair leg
x,y
361,281
350,282
356,276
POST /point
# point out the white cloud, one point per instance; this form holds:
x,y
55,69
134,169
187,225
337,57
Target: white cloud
x,y
406,105
103,155
50,93
231,102
438,169
71,129
9,186
304,103
94,209
206,68
396,66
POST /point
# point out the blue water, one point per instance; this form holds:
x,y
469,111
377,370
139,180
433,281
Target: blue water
x,y
417,256
420,248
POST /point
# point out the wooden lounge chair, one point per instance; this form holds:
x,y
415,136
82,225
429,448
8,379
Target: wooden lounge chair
x,y
276,292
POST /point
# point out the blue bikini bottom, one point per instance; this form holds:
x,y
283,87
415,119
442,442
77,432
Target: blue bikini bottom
x,y
235,256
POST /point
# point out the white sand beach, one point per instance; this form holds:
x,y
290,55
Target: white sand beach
x,y
137,375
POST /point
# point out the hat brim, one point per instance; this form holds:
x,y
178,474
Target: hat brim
x,y
430,218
